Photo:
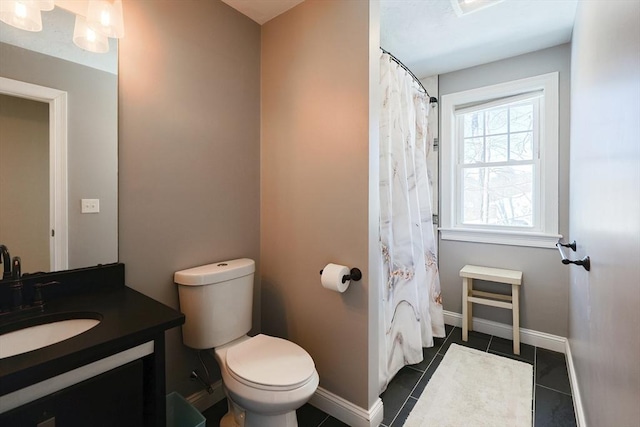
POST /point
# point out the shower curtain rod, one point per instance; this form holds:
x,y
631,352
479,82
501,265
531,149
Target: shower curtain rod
x,y
397,61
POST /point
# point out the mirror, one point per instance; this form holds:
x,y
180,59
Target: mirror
x,y
58,146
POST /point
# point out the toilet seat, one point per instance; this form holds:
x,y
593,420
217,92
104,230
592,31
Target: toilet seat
x,y
270,363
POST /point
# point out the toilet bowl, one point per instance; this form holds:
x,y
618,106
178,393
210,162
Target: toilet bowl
x,y
265,378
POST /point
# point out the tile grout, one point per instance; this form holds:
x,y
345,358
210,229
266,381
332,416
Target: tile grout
x,y
553,389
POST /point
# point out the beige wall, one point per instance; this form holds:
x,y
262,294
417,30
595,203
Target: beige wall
x,y
315,185
189,150
604,322
24,196
545,292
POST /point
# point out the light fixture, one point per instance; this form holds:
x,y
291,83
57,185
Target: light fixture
x,y
44,4
23,14
105,16
465,7
89,39
96,20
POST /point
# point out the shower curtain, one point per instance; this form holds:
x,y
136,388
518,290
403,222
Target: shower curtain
x,y
411,314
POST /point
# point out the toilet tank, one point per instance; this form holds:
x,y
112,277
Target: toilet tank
x,y
217,301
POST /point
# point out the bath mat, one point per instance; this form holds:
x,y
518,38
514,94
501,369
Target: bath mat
x,y
475,388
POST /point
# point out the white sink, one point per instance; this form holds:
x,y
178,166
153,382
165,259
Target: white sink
x,y
35,337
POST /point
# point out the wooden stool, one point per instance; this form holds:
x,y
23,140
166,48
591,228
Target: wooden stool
x,y
469,296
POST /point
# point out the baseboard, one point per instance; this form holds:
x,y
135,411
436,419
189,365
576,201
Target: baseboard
x,y
346,411
527,336
202,400
328,402
575,390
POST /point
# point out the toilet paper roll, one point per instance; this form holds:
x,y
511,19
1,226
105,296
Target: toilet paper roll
x,y
332,276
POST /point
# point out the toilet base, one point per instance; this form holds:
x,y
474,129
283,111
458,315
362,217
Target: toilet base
x,y
237,417
260,420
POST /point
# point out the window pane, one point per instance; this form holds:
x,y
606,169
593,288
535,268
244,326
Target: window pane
x,y
521,147
497,121
474,124
498,196
497,148
473,150
521,118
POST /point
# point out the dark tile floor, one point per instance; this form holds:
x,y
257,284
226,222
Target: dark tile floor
x,y
552,400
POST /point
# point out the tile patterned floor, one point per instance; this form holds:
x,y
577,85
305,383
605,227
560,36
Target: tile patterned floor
x,y
553,403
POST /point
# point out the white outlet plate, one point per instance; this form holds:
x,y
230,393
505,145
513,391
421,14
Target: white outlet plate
x,y
90,205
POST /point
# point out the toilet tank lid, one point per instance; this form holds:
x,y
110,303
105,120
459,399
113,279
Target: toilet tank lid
x,y
215,273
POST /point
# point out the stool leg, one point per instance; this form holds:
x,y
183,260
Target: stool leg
x,y
465,308
470,307
515,293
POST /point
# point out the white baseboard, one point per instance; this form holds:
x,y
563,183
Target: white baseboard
x,y
322,399
527,336
575,390
201,400
346,411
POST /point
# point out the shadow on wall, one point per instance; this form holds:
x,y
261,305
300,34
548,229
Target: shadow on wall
x,y
274,308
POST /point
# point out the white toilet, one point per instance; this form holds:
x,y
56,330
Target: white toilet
x,y
265,378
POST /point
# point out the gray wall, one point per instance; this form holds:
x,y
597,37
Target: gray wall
x,y
545,291
24,197
92,146
604,323
315,186
189,150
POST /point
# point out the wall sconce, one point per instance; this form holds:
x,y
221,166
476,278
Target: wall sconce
x,y
96,20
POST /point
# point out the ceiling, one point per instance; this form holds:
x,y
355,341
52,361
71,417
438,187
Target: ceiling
x,y
262,11
428,37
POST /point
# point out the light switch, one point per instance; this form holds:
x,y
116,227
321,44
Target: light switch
x,y
90,205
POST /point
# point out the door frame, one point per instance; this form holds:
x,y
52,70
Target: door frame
x,y
58,205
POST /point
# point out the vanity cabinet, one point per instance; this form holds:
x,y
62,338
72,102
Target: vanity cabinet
x,y
114,398
112,375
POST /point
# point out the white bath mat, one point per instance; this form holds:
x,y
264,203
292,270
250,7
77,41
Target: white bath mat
x,y
475,388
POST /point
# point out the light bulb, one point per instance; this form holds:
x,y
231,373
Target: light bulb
x,y
23,14
105,17
89,39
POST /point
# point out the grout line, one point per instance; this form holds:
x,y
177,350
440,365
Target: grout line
x,y
412,389
557,391
325,419
516,357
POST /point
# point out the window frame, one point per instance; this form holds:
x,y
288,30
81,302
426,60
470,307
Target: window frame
x,y
546,233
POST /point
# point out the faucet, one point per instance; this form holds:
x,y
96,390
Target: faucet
x,y
6,260
16,268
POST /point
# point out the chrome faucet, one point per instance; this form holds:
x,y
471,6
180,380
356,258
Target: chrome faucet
x,y
6,260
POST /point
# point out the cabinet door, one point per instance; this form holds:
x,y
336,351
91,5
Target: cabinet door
x,y
114,398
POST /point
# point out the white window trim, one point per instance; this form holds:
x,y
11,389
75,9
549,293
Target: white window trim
x,y
548,84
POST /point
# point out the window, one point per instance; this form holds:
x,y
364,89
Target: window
x,y
500,163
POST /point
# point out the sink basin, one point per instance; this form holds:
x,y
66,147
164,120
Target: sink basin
x,y
41,332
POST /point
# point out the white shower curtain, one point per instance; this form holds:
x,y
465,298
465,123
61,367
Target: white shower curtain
x,y
411,313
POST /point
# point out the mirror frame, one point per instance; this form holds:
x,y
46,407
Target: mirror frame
x,y
58,214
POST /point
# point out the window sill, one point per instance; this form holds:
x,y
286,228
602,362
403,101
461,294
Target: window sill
x,y
512,238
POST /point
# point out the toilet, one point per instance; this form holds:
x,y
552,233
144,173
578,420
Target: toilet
x,y
265,378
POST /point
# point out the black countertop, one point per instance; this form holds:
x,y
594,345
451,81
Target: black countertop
x,y
128,318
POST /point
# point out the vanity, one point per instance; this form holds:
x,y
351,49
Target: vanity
x,y
111,375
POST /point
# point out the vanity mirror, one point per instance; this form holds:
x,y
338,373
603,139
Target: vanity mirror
x,y
58,146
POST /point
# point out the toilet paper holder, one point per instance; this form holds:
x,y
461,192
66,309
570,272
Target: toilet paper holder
x,y
355,275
